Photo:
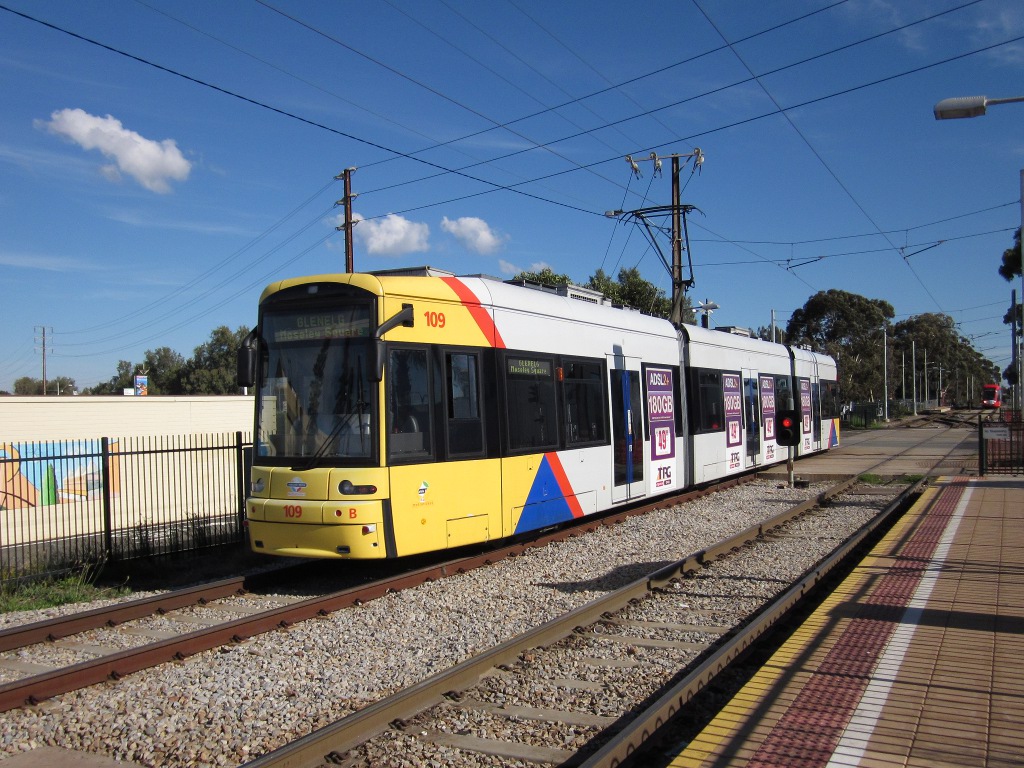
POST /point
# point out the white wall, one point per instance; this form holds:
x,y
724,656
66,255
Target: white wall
x,y
85,417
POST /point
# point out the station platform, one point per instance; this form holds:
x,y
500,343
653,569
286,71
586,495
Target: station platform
x,y
914,662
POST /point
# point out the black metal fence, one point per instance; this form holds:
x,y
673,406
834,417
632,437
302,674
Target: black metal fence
x,y
65,503
862,415
1001,443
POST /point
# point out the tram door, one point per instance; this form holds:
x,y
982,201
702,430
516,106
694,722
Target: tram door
x,y
627,435
751,419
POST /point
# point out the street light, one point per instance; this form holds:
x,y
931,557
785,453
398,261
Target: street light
x,y
707,307
968,106
885,371
974,106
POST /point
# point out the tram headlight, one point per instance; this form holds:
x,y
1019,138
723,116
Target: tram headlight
x,y
347,488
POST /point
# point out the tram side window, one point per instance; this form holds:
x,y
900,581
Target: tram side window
x,y
531,405
583,396
707,404
465,425
409,405
829,399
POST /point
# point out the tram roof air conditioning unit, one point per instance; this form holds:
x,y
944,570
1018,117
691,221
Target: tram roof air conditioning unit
x,y
424,271
583,294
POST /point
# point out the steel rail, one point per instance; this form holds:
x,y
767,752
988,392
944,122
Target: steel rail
x,y
111,615
332,741
38,687
35,688
626,743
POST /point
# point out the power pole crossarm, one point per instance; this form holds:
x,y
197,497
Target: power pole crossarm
x,y
680,235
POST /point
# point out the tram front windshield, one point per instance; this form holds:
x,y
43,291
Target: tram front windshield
x,y
317,401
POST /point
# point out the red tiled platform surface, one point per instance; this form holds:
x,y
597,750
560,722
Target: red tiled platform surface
x,y
916,661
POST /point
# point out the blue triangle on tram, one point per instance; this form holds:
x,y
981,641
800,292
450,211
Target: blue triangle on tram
x,y
545,504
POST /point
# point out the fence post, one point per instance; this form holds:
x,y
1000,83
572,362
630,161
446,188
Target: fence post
x,y
243,486
108,525
982,458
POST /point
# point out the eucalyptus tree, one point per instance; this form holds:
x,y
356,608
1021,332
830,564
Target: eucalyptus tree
x,y
629,289
1009,270
850,328
947,366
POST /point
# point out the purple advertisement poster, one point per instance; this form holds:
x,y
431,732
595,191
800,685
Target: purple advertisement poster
x,y
767,384
733,409
662,421
805,410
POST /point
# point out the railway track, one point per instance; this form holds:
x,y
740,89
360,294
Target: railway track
x,y
606,648
483,706
144,633
704,626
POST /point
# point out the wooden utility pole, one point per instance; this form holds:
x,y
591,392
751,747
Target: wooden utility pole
x,y
346,201
42,330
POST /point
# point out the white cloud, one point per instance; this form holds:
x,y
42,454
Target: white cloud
x,y
45,263
393,235
151,163
137,219
475,234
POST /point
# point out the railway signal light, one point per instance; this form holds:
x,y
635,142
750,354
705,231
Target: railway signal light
x,y
787,431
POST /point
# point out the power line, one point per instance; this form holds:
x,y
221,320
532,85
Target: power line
x,y
867,251
846,190
407,155
148,308
515,187
432,90
620,85
286,113
837,238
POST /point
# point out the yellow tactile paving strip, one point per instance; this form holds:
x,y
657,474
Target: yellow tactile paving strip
x,y
917,660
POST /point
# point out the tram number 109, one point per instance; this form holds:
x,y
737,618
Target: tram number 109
x,y
434,319
292,510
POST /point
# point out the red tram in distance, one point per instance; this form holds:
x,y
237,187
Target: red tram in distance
x,y
991,396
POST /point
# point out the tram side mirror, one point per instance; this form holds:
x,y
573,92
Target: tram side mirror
x,y
246,372
404,318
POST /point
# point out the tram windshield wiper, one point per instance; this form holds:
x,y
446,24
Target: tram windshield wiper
x,y
360,417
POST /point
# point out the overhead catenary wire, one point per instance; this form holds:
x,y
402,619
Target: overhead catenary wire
x,y
283,112
515,187
924,246
831,171
461,198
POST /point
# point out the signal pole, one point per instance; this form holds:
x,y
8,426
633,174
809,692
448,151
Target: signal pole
x,y
346,201
1015,345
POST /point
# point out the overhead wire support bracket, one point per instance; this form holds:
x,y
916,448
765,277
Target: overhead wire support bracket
x,y
680,232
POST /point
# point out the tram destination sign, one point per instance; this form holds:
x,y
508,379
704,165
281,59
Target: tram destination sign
x,y
315,326
524,366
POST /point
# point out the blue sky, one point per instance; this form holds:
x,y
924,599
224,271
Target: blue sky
x,y
160,162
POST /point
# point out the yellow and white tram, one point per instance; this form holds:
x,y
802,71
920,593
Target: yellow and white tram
x,y
405,413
